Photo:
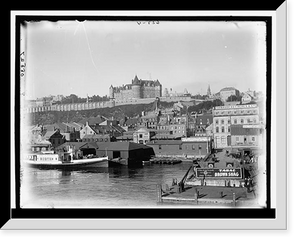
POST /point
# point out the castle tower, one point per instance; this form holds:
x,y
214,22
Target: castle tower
x,y
158,88
136,88
111,92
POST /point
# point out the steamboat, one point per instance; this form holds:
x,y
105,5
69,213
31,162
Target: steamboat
x,y
68,159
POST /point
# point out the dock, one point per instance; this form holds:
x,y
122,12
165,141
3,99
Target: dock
x,y
170,161
205,195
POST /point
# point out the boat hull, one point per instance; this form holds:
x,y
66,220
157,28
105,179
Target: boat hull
x,y
76,164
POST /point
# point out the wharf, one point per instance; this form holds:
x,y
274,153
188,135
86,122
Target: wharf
x,y
165,161
208,195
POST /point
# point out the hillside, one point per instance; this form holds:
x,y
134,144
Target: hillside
x,y
117,112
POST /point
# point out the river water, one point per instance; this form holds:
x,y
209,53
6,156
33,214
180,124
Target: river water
x,y
97,188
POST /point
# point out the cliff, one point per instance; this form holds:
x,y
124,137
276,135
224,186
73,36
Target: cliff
x,y
117,112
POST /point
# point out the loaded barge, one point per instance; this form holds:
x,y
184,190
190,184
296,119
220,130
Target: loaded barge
x,y
220,179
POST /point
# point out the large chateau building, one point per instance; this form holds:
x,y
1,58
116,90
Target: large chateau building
x,y
138,89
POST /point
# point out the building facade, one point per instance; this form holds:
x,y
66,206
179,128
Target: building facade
x,y
138,89
194,147
225,93
224,117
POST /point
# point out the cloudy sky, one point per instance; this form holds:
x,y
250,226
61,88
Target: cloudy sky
x,y
83,58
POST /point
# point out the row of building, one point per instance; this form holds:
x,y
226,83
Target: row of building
x,y
168,132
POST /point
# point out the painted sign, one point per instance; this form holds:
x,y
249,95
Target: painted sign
x,y
219,173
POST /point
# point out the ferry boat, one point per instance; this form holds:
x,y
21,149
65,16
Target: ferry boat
x,y
64,160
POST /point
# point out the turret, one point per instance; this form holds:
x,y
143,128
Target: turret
x,y
111,92
136,88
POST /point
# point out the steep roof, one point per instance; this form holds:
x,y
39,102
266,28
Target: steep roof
x,y
49,134
135,80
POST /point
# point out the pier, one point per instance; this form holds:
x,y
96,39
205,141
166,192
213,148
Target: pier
x,y
205,195
165,161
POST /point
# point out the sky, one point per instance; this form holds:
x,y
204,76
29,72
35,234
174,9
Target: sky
x,y
85,58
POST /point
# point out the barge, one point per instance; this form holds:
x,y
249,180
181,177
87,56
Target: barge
x,y
217,179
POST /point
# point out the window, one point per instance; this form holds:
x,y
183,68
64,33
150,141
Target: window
x,y
237,139
193,147
180,147
217,121
242,121
223,129
140,135
222,121
253,139
217,129
249,120
228,121
223,140
159,146
254,120
228,129
235,121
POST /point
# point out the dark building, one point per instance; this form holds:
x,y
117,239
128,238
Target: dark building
x,y
125,153
55,138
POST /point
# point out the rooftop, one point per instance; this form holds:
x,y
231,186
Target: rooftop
x,y
228,89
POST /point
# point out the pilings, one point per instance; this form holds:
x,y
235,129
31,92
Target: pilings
x,y
205,195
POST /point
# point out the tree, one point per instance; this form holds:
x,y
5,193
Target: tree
x,y
234,98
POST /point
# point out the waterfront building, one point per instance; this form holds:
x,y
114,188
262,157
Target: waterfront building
x,y
194,147
138,89
127,153
224,117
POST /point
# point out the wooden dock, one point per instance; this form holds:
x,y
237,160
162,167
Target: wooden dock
x,y
169,161
205,195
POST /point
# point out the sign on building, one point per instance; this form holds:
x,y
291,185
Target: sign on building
x,y
219,173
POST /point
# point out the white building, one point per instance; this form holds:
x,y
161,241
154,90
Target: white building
x,y
226,116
